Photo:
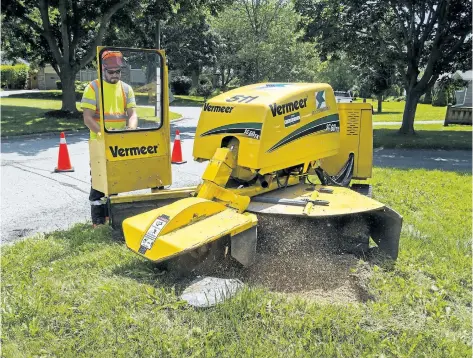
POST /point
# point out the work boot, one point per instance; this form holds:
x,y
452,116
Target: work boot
x,y
98,214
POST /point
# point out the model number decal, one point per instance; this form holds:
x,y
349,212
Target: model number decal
x,y
332,127
292,119
153,233
252,134
241,98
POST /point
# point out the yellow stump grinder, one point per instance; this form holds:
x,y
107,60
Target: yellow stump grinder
x,y
267,145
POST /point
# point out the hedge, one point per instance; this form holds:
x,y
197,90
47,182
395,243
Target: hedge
x,y
181,85
14,76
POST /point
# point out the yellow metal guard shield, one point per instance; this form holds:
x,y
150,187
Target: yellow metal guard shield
x,y
182,226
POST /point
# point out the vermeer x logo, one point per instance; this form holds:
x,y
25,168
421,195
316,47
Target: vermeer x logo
x,y
320,99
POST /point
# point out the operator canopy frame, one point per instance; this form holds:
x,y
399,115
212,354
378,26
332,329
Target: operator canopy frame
x,y
143,70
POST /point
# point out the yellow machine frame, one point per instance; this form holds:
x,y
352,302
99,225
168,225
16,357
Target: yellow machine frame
x,y
168,223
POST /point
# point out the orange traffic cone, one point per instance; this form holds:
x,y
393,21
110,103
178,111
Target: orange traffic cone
x,y
63,161
176,157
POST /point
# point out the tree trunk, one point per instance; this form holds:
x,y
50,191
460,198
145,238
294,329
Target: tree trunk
x,y
428,96
223,79
68,91
380,103
195,78
409,113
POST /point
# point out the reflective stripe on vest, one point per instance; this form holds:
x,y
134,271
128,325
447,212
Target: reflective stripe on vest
x,y
126,90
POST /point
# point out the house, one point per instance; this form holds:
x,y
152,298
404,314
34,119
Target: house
x,y
47,77
461,112
464,97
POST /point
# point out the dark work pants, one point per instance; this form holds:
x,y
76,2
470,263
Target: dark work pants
x,y
98,206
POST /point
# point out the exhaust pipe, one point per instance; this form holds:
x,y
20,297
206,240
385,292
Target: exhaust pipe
x,y
265,180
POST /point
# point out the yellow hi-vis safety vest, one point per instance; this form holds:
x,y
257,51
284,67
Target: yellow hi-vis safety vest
x,y
118,98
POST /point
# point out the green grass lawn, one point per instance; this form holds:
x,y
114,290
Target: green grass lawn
x,y
392,112
79,293
428,136
28,116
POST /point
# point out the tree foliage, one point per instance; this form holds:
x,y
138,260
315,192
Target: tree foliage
x,y
338,72
180,28
64,33
432,36
260,42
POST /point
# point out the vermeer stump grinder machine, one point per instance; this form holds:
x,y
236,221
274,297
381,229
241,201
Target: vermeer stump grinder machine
x,y
266,144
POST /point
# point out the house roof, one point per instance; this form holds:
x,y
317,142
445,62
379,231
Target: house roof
x,y
466,76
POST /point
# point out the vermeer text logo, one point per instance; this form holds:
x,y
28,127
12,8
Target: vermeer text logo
x,y
132,151
288,107
221,109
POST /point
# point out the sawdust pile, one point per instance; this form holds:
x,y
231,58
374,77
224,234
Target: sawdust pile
x,y
300,257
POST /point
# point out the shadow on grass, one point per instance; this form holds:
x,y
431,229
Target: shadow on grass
x,y
384,112
150,273
54,95
423,139
21,120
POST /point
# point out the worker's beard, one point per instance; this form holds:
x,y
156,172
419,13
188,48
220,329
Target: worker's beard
x,y
111,79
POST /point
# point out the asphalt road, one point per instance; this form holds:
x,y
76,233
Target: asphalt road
x,y
35,199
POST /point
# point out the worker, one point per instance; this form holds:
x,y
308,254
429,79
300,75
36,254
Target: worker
x,y
119,114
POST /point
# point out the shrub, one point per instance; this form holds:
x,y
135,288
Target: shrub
x,y
14,76
426,98
80,85
216,92
58,85
205,87
439,99
181,85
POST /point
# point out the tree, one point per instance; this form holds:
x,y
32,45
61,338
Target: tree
x,y
64,33
377,79
190,44
261,43
338,72
433,36
179,27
